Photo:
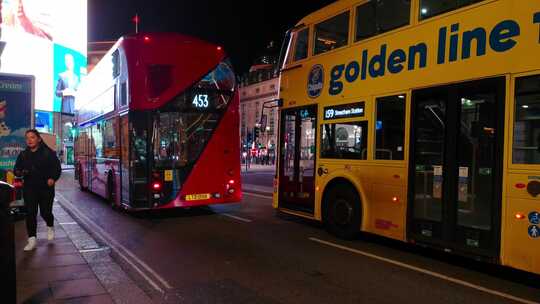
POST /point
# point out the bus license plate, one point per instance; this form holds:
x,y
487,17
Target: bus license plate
x,y
197,197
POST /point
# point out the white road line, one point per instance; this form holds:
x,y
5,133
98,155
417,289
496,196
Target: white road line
x,y
237,217
425,271
257,195
94,250
69,223
119,248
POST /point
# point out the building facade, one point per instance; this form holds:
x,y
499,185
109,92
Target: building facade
x,y
259,123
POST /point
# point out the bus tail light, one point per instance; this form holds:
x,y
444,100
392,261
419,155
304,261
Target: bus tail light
x,y
520,216
156,186
395,199
231,182
17,183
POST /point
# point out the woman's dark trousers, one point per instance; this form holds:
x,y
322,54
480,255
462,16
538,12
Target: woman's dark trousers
x,y
44,199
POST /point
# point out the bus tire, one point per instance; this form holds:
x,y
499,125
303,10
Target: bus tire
x,y
110,191
342,212
80,178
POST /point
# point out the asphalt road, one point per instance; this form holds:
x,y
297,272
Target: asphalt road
x,y
246,253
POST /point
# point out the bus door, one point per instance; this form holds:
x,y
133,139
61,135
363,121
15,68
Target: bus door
x,y
455,179
139,160
297,159
124,159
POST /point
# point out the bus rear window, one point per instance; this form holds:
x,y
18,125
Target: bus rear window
x,y
344,140
526,148
430,8
332,33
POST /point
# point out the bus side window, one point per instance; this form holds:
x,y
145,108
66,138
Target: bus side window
x,y
344,140
301,45
430,8
526,147
390,127
332,33
376,17
123,94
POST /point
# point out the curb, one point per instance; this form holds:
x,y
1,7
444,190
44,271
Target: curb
x,y
117,283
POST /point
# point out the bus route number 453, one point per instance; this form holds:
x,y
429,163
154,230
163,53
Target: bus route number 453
x,y
200,101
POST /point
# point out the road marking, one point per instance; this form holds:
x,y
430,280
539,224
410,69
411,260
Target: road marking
x,y
237,217
94,250
257,195
69,223
118,248
425,271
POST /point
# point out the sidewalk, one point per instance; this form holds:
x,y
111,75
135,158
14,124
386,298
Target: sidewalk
x,y
68,167
258,168
73,268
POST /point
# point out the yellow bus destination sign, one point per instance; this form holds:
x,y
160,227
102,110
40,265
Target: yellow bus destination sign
x,y
344,111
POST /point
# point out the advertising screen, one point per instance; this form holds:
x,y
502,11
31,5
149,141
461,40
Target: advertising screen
x,y
46,39
15,118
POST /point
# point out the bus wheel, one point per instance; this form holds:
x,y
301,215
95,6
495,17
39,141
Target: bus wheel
x,y
110,192
342,212
80,178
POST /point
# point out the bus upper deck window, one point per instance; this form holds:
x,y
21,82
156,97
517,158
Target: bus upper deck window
x,y
301,45
332,33
430,8
375,17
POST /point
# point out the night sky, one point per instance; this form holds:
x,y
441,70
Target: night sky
x,y
244,28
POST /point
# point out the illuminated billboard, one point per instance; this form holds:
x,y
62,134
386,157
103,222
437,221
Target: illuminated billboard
x,y
46,39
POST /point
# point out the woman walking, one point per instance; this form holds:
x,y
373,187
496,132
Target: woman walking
x,y
40,168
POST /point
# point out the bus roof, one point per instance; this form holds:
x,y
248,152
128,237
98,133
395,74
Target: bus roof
x,y
327,11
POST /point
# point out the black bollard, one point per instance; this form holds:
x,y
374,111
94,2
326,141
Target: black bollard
x,y
8,287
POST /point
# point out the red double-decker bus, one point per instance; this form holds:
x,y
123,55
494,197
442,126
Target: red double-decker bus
x,y
158,124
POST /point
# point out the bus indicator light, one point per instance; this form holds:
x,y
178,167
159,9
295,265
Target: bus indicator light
x,y
520,216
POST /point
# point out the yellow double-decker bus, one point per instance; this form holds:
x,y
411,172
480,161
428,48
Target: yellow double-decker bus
x,y
417,120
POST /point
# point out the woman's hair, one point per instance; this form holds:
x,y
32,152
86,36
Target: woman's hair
x,y
35,132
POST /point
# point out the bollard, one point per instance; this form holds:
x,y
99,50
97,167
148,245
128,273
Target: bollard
x,y
8,280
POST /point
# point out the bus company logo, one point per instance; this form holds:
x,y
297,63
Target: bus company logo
x,y
315,81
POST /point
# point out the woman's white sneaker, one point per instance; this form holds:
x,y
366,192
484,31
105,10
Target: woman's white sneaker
x,y
31,244
50,233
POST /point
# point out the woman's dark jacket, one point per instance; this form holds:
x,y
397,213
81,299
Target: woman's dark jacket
x,y
37,167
